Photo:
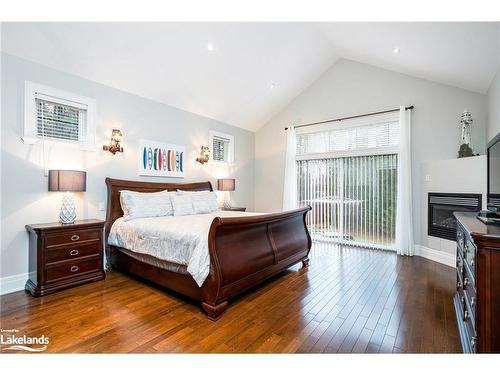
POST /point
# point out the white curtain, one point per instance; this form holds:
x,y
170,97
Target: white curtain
x,y
404,222
290,182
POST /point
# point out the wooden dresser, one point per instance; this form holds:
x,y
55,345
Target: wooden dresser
x,y
64,255
477,301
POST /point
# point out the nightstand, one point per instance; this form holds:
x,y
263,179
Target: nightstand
x,y
64,255
242,209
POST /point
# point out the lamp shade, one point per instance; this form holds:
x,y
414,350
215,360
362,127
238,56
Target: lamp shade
x,y
226,184
65,180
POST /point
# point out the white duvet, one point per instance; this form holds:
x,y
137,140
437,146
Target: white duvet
x,y
178,239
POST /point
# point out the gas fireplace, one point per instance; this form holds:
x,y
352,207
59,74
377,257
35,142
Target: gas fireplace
x,y
441,206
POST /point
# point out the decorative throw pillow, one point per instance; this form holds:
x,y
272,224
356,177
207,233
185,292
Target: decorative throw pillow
x,y
136,205
182,205
203,201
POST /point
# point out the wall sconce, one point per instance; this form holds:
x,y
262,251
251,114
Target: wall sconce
x,y
114,145
204,155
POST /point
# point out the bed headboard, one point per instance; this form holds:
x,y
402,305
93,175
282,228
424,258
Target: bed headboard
x,y
114,209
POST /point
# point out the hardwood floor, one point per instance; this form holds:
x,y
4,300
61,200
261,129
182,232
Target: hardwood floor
x,y
349,300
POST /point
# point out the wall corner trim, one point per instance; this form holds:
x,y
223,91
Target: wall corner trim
x,y
436,255
14,283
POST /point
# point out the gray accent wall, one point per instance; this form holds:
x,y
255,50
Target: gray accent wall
x,y
352,88
24,194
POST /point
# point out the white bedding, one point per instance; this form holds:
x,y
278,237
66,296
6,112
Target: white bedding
x,y
178,239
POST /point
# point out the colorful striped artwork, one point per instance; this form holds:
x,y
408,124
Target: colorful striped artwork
x,y
161,159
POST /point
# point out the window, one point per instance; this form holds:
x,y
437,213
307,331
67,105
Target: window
x,y
354,137
57,116
347,171
222,147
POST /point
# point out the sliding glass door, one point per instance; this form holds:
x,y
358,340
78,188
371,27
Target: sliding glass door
x,y
353,199
348,175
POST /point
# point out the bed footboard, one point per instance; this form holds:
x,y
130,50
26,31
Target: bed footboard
x,y
245,251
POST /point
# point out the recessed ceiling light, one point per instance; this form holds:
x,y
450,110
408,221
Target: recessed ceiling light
x,y
210,47
271,86
395,50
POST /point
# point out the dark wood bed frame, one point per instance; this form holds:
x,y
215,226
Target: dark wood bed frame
x,y
244,251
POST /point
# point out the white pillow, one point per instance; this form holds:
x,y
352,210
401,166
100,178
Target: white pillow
x,y
182,205
135,204
203,201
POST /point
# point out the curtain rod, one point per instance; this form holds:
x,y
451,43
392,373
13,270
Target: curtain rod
x,y
351,117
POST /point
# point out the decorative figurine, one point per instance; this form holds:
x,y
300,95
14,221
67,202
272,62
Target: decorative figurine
x,y
466,146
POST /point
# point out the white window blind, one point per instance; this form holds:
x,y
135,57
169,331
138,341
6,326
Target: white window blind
x,y
60,121
350,137
347,173
220,148
59,117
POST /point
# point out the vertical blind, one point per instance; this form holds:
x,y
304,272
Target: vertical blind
x,y
60,121
348,175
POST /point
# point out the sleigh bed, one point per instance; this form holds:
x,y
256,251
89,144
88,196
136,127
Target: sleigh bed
x,y
243,251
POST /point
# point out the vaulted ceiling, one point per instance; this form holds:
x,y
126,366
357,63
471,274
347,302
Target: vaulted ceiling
x,y
244,73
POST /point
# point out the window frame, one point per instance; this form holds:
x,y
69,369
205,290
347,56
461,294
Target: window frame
x,y
62,97
230,151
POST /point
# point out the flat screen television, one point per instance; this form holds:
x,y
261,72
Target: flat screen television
x,y
492,215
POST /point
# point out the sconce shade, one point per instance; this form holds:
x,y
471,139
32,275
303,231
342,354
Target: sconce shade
x,y
65,180
116,134
226,184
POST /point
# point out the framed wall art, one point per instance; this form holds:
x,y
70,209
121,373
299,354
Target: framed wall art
x,y
161,159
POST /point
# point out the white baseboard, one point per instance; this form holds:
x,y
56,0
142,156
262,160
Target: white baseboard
x,y
13,283
436,255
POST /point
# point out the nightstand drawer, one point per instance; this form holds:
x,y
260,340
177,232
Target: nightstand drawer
x,y
72,252
72,268
72,237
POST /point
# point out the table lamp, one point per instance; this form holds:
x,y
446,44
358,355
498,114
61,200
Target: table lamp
x,y
226,184
67,181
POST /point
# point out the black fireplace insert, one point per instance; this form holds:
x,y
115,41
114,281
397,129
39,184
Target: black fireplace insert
x,y
441,206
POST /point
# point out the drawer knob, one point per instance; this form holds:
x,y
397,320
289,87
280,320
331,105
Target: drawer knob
x,y
466,315
466,248
473,301
466,282
459,284
462,299
74,268
75,237
73,252
472,262
473,342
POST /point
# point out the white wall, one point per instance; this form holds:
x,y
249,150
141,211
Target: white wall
x,y
24,193
350,88
494,107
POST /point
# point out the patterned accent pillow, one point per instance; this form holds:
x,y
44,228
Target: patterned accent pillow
x,y
182,205
204,202
136,205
